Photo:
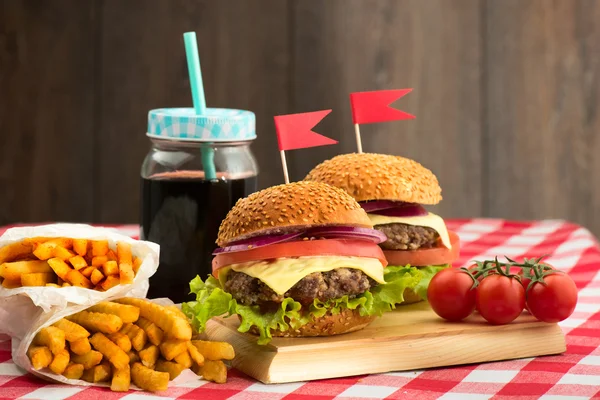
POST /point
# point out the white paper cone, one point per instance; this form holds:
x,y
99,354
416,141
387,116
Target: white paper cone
x,y
49,298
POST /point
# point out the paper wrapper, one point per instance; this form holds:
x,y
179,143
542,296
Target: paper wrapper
x,y
49,298
20,344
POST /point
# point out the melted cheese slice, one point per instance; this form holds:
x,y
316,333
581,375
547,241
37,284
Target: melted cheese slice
x,y
283,273
432,221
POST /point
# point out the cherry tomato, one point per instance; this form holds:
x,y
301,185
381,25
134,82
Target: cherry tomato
x,y
500,299
490,272
525,280
525,274
554,300
450,294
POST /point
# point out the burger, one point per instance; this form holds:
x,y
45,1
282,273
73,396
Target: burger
x,y
296,260
392,190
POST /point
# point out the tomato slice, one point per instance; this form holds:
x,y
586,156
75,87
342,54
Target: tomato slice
x,y
420,258
302,248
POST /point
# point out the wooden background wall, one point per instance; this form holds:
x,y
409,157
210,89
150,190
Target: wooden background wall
x,y
507,95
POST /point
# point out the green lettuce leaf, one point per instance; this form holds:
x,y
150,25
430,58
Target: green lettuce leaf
x,y
427,274
212,301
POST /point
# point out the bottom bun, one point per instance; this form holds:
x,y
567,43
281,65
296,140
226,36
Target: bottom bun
x,y
410,297
327,325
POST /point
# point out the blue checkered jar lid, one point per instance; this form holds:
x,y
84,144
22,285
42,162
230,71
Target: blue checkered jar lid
x,y
216,125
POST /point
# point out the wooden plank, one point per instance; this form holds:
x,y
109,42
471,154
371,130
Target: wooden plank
x,y
46,111
543,92
342,46
394,342
243,50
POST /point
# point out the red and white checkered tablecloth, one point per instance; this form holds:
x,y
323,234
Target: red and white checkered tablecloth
x,y
573,375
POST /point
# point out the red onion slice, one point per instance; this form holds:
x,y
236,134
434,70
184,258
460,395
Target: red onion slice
x,y
375,205
255,242
347,232
408,210
324,232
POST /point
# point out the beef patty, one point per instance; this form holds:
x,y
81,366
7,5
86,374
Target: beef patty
x,y
318,285
407,237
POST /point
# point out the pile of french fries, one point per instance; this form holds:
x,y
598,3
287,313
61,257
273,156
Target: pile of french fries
x,y
128,340
60,262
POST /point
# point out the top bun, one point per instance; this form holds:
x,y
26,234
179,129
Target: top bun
x,y
290,207
368,176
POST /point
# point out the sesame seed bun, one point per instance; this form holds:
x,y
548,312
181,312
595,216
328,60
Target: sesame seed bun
x,y
368,176
287,207
327,325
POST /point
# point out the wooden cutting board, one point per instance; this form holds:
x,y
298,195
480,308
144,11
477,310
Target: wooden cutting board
x,y
412,337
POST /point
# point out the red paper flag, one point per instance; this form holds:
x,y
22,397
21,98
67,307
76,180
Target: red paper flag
x,y
294,131
369,107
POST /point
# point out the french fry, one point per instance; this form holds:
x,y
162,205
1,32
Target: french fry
x,y
14,270
137,336
137,263
80,246
105,323
51,337
110,268
147,379
99,248
154,333
11,284
133,357
184,359
121,340
59,281
66,284
172,368
81,346
214,371
40,356
98,261
99,373
124,253
88,271
127,313
172,348
126,328
168,320
14,250
78,262
60,362
110,282
77,279
121,379
111,351
96,276
177,311
52,285
73,331
88,360
126,274
149,355
60,268
125,262
195,354
111,255
73,371
47,249
37,278
215,350
62,253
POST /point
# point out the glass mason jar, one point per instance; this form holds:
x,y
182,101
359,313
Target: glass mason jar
x,y
190,179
